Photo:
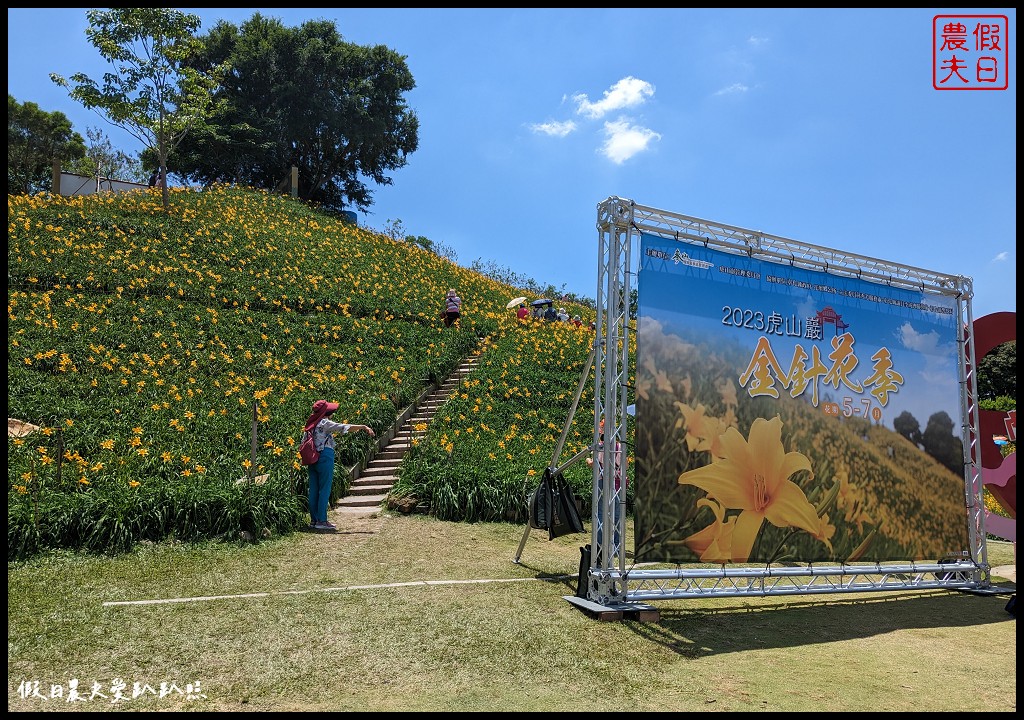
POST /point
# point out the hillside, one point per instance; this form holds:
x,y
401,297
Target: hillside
x,y
147,345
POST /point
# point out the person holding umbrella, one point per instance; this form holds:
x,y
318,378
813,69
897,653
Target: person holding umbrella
x,y
539,308
522,311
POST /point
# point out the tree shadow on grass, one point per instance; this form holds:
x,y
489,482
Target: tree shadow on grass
x,y
738,625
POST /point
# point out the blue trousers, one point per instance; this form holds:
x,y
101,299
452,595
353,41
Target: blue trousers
x,y
321,479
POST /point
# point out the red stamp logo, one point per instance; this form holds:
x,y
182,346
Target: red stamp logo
x,y
970,52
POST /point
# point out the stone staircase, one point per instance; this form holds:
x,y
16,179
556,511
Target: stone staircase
x,y
372,484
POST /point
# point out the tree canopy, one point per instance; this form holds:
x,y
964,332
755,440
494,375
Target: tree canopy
x,y
35,138
997,372
305,97
154,94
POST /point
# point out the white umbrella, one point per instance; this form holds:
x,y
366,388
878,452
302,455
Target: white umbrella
x,y
515,302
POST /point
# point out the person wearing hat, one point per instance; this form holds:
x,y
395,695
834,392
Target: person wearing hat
x,y
321,473
562,316
522,313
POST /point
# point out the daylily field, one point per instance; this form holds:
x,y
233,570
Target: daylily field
x,y
146,345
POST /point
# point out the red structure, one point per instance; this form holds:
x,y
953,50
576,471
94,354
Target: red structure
x,y
830,316
999,474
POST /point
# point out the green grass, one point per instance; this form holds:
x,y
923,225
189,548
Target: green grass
x,y
323,633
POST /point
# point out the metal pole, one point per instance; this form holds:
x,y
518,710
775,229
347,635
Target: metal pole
x,y
252,455
561,442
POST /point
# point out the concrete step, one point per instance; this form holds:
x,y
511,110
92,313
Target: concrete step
x,y
357,490
375,482
378,470
380,486
361,501
357,510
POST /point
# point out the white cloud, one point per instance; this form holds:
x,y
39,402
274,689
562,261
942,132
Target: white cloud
x,y
755,41
926,343
623,140
554,129
1001,257
627,92
732,89
938,356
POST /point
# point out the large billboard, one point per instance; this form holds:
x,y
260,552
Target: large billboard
x,y
787,414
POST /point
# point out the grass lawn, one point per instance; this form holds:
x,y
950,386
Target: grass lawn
x,y
380,617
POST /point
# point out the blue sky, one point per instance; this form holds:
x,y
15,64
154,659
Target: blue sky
x,y
822,126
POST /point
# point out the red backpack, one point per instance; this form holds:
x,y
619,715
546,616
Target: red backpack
x,y
308,454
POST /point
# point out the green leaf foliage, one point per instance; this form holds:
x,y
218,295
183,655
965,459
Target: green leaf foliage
x,y
302,97
35,138
153,92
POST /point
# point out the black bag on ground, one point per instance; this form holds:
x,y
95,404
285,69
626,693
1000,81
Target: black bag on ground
x,y
540,503
565,516
553,507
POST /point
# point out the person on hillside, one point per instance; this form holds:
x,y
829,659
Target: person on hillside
x,y
523,312
618,499
452,308
153,177
562,316
576,321
321,473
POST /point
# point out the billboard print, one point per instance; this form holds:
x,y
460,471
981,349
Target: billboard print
x,y
785,414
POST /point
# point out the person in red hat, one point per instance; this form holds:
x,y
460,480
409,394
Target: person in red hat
x,y
321,473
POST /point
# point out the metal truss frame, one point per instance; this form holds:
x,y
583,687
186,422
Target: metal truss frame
x,y
611,583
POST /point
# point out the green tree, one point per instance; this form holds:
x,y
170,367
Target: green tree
x,y
304,97
102,159
154,94
907,426
35,138
395,230
941,444
997,372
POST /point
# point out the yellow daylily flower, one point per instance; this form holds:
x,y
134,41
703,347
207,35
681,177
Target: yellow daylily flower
x,y
702,430
753,476
714,543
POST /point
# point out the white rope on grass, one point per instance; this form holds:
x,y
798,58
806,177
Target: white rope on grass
x,y
415,583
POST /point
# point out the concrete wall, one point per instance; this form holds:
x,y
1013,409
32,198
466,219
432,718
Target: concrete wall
x,y
70,184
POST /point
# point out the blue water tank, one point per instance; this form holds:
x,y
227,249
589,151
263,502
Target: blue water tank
x,y
350,216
